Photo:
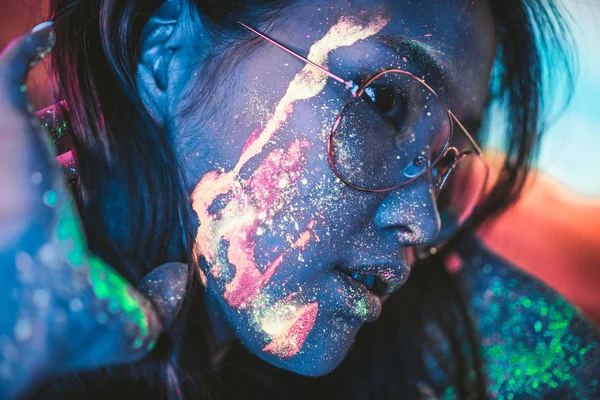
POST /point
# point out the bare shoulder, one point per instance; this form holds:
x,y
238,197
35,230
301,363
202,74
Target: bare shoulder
x,y
535,344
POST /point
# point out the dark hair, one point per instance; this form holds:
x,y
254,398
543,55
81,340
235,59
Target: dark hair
x,y
129,183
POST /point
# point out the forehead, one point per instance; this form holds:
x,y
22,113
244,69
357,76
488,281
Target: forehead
x,y
460,33
454,19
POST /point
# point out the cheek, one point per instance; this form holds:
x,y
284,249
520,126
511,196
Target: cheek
x,y
250,226
259,208
257,230
233,218
260,197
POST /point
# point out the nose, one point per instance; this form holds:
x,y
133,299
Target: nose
x,y
409,214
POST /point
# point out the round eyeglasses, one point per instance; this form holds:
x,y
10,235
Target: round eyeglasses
x,y
396,129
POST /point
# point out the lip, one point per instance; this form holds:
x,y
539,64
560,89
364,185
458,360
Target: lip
x,y
363,304
391,277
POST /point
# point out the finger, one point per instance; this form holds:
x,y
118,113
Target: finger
x,y
166,287
143,314
16,60
24,52
54,120
125,326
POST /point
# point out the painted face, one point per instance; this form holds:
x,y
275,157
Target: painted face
x,y
294,259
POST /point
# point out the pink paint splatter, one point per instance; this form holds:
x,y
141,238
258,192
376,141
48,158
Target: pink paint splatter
x,y
304,237
252,138
265,192
270,190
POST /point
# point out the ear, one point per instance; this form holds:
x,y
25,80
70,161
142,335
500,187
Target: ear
x,y
170,45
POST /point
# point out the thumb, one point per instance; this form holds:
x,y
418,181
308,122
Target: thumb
x,y
24,52
166,287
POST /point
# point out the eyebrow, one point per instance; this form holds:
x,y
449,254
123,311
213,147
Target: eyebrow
x,y
401,45
414,50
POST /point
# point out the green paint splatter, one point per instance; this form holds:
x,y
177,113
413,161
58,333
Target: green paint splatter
x,y
449,393
109,285
361,308
70,236
517,367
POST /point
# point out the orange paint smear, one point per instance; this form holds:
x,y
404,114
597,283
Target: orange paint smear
x,y
304,238
289,341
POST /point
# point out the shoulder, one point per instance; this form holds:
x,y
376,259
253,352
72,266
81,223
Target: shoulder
x,y
534,343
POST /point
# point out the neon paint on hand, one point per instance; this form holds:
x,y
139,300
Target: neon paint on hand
x,y
106,283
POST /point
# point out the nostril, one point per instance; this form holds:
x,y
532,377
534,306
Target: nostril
x,y
408,236
405,229
409,214
418,233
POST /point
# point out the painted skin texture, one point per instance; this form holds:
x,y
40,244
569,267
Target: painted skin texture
x,y
273,221
56,294
535,345
269,191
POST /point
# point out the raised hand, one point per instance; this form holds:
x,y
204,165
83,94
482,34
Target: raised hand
x,y
61,308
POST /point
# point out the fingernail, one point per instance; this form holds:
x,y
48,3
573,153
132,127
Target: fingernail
x,y
166,287
49,41
41,26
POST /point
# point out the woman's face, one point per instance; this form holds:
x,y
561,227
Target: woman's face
x,y
289,253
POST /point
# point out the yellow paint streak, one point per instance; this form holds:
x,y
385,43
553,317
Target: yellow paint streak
x,y
310,81
238,216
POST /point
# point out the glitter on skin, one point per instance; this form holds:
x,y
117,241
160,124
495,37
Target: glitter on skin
x,y
516,369
266,191
534,344
292,335
239,221
110,286
54,121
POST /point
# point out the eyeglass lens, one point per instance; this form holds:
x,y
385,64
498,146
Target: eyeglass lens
x,y
392,134
389,135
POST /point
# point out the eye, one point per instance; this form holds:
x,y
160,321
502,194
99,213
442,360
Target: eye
x,y
388,100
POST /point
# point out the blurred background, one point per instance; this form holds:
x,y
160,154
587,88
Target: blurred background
x,y
570,152
554,230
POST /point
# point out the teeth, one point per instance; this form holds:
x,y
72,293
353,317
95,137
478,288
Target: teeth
x,y
369,281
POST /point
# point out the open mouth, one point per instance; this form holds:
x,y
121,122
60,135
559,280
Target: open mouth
x,y
373,283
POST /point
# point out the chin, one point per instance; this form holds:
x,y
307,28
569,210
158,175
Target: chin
x,y
311,367
323,351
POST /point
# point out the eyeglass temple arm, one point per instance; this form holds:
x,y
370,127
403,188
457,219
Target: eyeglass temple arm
x,y
467,134
348,84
